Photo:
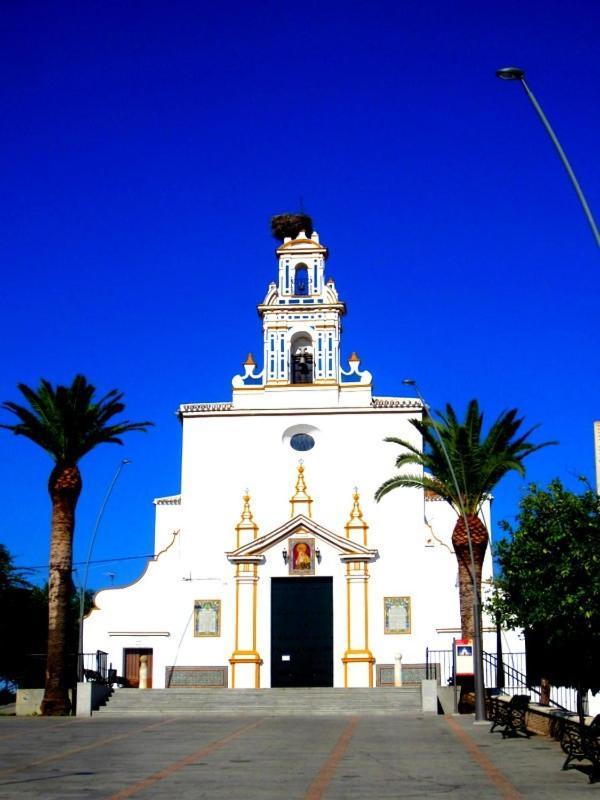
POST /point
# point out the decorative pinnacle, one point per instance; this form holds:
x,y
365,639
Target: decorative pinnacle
x,y
302,498
246,513
250,361
246,522
356,512
356,521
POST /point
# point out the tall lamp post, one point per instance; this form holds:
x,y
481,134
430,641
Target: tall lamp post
x,y
480,715
517,74
87,563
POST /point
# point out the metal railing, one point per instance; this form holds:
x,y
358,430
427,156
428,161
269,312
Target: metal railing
x,y
93,667
439,666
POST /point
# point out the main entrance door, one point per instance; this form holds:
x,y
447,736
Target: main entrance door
x,y
301,632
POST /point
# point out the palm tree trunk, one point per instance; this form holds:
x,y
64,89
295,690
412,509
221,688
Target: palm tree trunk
x,y
460,542
64,487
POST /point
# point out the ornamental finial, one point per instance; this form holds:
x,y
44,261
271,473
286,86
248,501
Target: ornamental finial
x,y
356,523
246,528
301,501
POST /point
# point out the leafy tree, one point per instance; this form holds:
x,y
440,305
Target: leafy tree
x,y
67,422
10,576
550,582
23,625
479,463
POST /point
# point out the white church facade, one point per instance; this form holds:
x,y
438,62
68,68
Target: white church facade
x,y
274,565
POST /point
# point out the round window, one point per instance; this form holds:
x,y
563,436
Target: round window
x,y
302,441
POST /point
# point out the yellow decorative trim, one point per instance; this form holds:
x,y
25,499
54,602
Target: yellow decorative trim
x,y
362,659
250,362
366,601
348,620
245,657
237,614
246,523
356,522
254,616
316,384
301,498
168,547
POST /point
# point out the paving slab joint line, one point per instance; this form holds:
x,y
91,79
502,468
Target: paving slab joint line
x,y
145,783
317,788
501,783
83,748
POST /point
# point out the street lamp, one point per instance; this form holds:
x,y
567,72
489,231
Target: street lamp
x,y
87,563
480,715
517,74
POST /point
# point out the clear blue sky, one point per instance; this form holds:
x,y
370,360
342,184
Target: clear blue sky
x,y
145,146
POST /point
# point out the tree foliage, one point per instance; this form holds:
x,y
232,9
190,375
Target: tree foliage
x,y
479,461
550,581
24,626
67,422
462,465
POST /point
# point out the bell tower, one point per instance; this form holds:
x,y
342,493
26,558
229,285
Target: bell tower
x,y
302,327
301,317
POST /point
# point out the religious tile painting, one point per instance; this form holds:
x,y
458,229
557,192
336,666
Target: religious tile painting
x,y
301,560
396,614
207,618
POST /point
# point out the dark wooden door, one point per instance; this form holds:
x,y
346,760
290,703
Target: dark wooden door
x,y
131,665
301,632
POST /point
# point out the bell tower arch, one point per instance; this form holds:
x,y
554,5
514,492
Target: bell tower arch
x,y
302,317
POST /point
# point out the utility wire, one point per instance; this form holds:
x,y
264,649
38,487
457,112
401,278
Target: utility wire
x,y
96,561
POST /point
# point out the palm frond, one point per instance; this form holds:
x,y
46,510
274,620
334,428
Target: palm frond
x,y
67,421
465,464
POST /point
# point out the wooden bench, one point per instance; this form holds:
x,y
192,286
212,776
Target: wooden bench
x,y
510,716
581,742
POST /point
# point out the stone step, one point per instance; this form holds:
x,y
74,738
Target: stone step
x,y
299,702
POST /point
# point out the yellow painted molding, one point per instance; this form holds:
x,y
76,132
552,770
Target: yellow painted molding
x,y
301,498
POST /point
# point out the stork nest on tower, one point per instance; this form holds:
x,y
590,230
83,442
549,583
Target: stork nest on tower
x,y
284,225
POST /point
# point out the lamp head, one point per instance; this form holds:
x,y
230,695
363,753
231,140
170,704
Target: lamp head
x,y
409,382
510,74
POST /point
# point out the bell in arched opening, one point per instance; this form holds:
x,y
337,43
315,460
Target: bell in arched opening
x,y
301,280
302,362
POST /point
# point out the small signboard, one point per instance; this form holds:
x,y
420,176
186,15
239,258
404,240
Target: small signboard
x,y
464,656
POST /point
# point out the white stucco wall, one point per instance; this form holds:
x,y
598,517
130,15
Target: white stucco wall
x,y
244,444
225,453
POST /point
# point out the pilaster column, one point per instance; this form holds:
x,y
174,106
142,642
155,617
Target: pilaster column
x,y
358,660
245,660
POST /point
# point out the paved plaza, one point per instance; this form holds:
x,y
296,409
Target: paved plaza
x,y
299,758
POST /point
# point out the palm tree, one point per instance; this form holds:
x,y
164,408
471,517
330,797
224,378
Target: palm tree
x,y
67,422
478,464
